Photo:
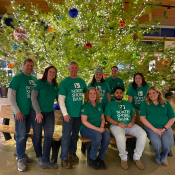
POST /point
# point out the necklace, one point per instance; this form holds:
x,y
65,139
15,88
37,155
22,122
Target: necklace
x,y
112,84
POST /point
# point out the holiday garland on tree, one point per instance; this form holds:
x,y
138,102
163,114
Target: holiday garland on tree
x,y
89,32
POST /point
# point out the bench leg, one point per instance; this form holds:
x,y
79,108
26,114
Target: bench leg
x,y
131,146
55,148
170,154
83,147
7,136
88,147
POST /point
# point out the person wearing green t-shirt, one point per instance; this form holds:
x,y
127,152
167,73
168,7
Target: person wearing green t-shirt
x,y
113,81
137,90
70,100
43,95
157,116
92,127
19,95
121,117
99,83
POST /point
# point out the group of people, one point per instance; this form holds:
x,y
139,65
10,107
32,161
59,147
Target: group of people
x,y
32,103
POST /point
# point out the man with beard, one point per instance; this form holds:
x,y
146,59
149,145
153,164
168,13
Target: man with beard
x,y
121,117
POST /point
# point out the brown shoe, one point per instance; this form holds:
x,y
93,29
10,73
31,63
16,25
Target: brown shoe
x,y
158,163
165,164
124,164
74,157
66,164
139,164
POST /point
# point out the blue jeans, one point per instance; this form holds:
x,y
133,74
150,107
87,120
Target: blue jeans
x,y
69,138
164,143
97,138
48,122
22,128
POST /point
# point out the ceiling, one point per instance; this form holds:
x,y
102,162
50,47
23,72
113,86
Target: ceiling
x,y
170,22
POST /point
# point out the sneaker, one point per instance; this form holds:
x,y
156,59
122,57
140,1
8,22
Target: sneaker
x,y
93,164
139,164
66,164
101,163
74,157
27,158
48,165
124,164
165,164
39,161
21,164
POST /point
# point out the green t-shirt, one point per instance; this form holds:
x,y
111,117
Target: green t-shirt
x,y
93,114
120,111
158,115
114,83
46,95
73,89
138,95
103,88
23,85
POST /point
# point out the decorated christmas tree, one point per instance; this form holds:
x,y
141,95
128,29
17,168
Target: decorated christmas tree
x,y
90,32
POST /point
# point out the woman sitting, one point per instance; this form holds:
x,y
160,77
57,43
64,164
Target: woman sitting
x,y
157,116
92,127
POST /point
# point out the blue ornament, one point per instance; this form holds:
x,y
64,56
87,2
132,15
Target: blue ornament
x,y
56,107
15,46
59,16
73,12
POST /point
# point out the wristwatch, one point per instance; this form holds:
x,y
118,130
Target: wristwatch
x,y
165,128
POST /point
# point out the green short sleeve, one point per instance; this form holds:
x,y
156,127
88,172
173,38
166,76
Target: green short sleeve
x,y
143,111
62,89
170,111
130,90
107,88
108,110
37,85
84,110
14,83
132,110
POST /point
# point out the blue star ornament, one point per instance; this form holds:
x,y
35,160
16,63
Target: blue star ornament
x,y
15,46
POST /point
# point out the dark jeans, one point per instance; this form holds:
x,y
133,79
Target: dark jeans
x,y
164,143
69,138
97,138
48,122
22,128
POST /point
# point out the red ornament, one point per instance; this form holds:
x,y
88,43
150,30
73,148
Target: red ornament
x,y
122,23
10,65
105,75
88,45
20,34
50,29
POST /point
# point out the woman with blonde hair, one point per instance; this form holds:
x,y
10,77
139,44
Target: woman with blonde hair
x,y
92,127
157,116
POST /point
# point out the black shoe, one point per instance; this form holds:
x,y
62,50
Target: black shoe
x,y
93,164
101,164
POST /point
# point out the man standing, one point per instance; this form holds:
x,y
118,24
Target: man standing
x,y
70,99
113,81
19,93
121,117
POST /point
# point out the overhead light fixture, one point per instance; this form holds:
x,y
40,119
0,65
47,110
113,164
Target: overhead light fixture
x,y
168,8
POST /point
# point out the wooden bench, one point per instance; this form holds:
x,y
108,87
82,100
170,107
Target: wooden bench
x,y
6,113
130,142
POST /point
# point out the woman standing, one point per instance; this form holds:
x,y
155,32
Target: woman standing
x,y
42,115
92,127
137,90
99,83
157,116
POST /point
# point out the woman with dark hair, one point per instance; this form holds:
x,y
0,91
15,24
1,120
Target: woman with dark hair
x,y
137,90
157,116
42,115
99,83
92,127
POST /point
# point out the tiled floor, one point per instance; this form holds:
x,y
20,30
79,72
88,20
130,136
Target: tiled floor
x,y
8,163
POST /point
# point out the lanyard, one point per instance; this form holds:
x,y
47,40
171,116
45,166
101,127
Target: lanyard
x,y
112,85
